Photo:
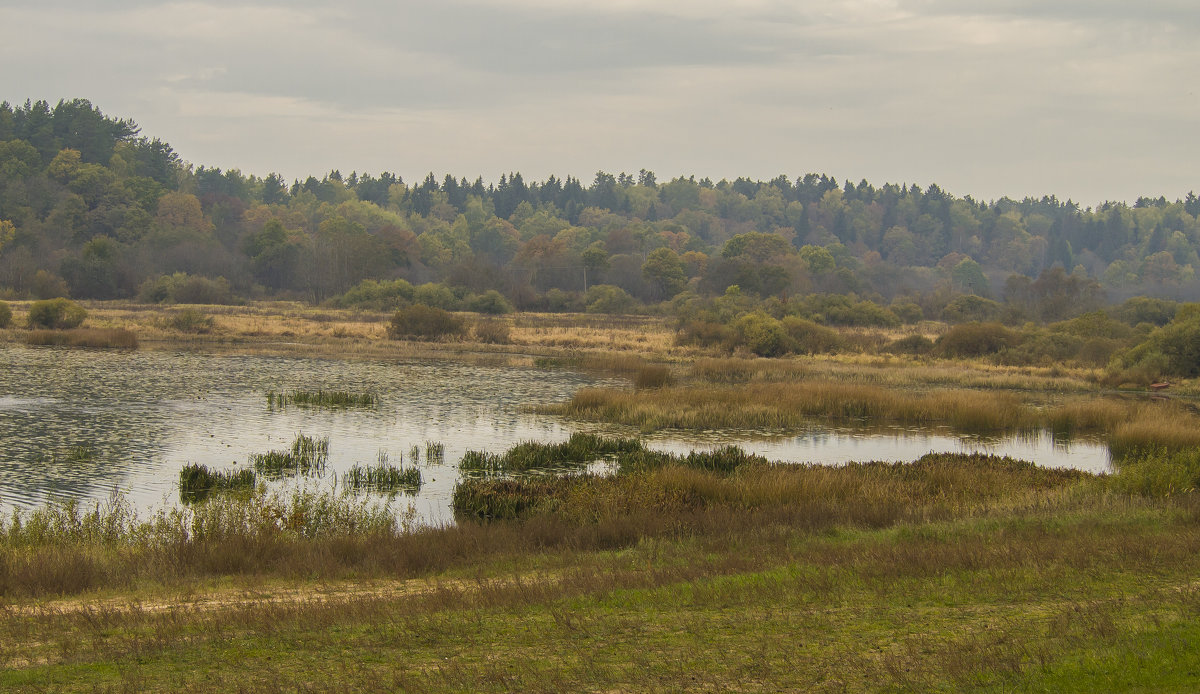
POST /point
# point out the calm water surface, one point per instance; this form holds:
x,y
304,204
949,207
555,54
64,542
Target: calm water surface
x,y
146,414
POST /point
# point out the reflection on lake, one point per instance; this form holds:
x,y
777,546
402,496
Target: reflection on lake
x,y
146,414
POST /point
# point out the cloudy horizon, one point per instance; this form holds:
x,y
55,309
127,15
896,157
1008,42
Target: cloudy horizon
x,y
1090,101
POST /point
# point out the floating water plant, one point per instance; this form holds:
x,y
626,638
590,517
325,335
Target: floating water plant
x,y
307,456
382,477
197,481
330,399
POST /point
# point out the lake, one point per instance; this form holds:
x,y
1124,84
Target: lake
x,y
144,415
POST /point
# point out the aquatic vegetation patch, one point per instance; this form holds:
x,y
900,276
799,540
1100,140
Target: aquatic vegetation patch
x,y
197,481
307,456
330,399
382,477
578,450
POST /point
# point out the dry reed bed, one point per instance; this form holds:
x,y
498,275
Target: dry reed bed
x,y
778,405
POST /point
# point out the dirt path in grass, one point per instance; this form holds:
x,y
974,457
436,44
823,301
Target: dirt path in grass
x,y
203,600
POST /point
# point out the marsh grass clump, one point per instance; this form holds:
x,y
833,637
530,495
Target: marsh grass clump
x,y
319,399
91,338
652,376
197,482
508,499
1157,471
578,450
724,459
192,321
382,477
435,453
308,456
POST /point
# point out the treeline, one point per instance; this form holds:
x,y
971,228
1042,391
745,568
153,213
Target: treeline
x,y
89,208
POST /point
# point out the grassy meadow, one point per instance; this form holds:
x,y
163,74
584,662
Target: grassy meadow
x,y
716,571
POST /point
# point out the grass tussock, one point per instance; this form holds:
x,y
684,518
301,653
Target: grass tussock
x,y
307,456
90,338
321,399
197,482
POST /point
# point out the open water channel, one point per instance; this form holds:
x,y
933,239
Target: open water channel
x,y
147,414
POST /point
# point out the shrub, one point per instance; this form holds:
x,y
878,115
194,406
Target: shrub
x,y
56,314
182,288
5,315
705,334
202,290
907,311
377,295
491,301
606,298
809,338
425,323
911,344
1144,309
838,309
435,295
192,321
47,285
492,332
974,340
762,335
1172,350
968,308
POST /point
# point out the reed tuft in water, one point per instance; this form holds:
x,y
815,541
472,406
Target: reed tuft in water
x,y
577,451
320,399
197,482
382,477
308,456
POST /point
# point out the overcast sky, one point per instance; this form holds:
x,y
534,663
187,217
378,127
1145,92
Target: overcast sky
x,y
1086,99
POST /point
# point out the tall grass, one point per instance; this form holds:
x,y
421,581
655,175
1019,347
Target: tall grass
x,y
90,338
778,405
321,399
307,456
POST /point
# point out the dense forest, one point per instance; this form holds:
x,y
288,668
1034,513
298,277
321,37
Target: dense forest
x,y
90,208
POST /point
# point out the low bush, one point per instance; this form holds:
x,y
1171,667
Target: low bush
x,y
807,337
5,315
192,321
970,308
420,322
378,295
182,288
911,344
56,314
975,340
490,302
